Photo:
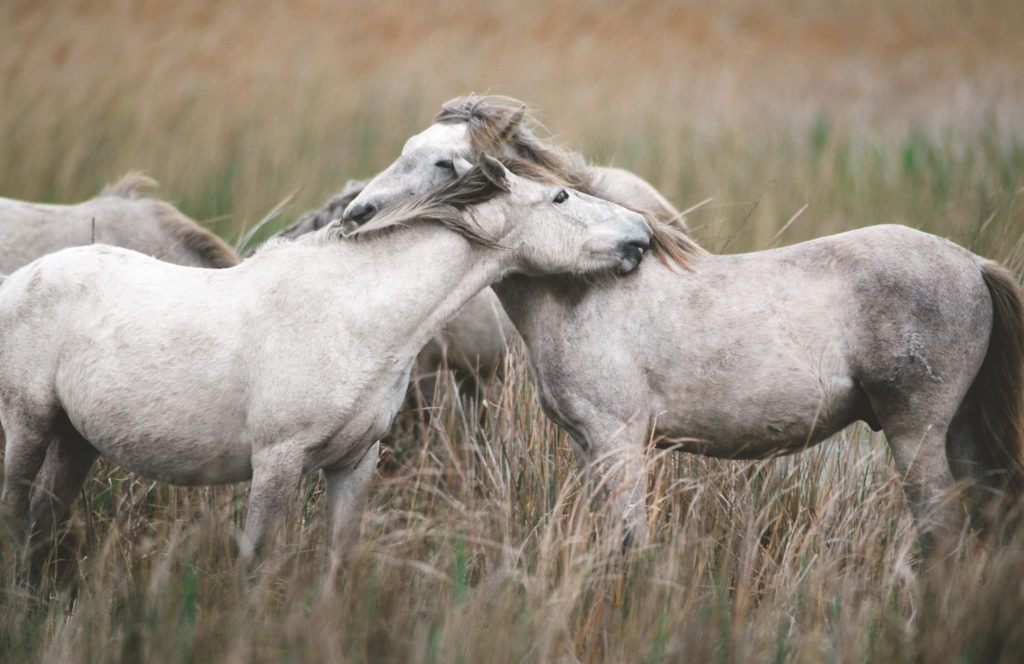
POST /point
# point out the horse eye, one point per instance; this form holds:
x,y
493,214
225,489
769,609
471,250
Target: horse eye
x,y
446,164
561,196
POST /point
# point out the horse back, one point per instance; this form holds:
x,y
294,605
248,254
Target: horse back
x,y
119,217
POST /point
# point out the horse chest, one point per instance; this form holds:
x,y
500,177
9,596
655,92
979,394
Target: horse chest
x,y
367,416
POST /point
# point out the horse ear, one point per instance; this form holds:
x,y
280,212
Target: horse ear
x,y
494,171
513,124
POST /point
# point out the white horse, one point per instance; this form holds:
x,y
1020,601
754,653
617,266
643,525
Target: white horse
x,y
295,360
761,354
769,353
119,216
472,344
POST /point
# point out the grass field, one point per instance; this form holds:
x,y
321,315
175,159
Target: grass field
x,y
795,118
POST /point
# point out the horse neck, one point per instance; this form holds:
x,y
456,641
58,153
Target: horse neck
x,y
417,278
530,301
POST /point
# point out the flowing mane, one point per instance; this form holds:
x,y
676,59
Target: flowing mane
x,y
495,121
186,232
445,204
333,209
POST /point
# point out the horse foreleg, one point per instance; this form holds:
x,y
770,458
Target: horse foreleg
x,y
346,496
615,468
276,474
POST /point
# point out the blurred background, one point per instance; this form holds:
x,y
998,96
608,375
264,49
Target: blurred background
x,y
862,110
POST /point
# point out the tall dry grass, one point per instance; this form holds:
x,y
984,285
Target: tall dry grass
x,y
796,118
478,546
233,107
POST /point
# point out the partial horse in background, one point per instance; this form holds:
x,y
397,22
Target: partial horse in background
x,y
120,216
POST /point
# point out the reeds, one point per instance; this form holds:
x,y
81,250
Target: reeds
x,y
478,545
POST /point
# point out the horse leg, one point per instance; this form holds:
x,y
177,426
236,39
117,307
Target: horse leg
x,y
346,497
920,458
980,465
24,456
276,475
970,462
68,462
615,468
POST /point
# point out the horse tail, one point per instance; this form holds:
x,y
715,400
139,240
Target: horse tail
x,y
999,386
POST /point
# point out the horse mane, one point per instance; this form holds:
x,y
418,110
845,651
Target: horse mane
x,y
187,233
446,204
334,208
128,186
215,252
496,121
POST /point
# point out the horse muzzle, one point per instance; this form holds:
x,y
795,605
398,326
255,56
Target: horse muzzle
x,y
631,252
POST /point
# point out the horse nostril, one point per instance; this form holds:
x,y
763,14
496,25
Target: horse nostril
x,y
362,213
638,247
631,252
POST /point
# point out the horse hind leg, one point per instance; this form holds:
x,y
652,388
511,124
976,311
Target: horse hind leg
x,y
68,461
43,467
920,457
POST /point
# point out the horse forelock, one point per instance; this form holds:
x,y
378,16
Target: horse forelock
x,y
488,117
496,123
448,204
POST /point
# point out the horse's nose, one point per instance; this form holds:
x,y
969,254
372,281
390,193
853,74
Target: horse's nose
x,y
631,252
361,213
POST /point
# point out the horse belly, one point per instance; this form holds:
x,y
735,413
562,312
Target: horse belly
x,y
761,420
184,463
191,436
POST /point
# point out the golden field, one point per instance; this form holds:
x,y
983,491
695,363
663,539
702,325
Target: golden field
x,y
795,118
232,107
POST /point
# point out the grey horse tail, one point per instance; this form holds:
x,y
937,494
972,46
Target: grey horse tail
x,y
1000,383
